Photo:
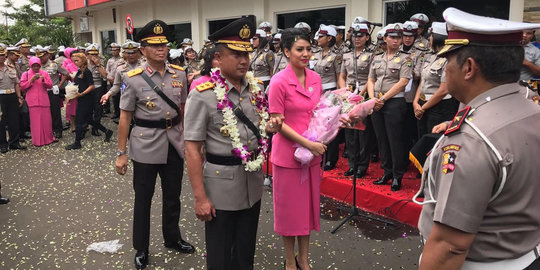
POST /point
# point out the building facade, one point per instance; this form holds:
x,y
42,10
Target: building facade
x,y
103,21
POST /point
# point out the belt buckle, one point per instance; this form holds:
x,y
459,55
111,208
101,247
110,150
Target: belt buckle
x,y
8,91
168,123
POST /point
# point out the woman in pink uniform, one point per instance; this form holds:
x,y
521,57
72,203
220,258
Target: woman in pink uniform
x,y
293,94
71,106
36,82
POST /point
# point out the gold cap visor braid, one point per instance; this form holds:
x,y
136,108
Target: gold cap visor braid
x,y
155,40
242,46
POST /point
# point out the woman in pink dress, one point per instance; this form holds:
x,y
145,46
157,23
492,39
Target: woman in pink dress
x,y
293,94
71,106
36,82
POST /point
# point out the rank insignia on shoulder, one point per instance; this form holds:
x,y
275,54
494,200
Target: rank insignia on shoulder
x,y
457,121
177,67
134,72
205,86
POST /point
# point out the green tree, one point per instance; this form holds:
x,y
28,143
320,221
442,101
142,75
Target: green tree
x,y
31,23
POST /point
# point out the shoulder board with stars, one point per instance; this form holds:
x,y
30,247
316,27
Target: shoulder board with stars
x,y
204,86
134,72
177,67
457,121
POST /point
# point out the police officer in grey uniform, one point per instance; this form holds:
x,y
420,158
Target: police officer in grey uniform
x,y
417,55
10,102
389,75
23,65
112,64
421,41
262,58
226,190
327,63
357,140
481,195
531,63
131,50
99,74
154,96
432,103
24,60
281,60
54,71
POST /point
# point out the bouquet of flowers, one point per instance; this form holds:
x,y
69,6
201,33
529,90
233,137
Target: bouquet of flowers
x,y
71,91
325,122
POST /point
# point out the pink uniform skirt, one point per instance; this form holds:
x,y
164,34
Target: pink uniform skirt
x,y
296,205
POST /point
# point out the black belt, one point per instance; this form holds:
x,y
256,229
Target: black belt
x,y
223,160
162,123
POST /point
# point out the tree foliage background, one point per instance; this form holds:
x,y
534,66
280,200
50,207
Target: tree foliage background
x,y
31,23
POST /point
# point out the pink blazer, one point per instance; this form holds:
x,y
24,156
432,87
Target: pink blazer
x,y
288,97
36,92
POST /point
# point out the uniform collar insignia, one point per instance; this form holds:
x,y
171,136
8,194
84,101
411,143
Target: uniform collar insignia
x,y
456,123
149,69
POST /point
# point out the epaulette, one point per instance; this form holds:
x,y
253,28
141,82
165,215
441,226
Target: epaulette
x,y
455,125
205,86
177,67
10,65
134,72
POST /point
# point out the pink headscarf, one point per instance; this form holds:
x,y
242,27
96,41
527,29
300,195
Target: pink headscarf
x,y
35,60
68,63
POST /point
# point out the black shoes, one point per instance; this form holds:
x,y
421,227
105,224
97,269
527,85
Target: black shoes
x,y
3,200
350,172
396,184
383,180
360,173
95,132
141,259
108,135
181,246
58,134
329,166
3,150
17,146
75,145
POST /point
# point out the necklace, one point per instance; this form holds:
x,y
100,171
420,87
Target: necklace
x,y
240,150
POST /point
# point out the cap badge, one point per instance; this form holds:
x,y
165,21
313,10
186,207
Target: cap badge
x,y
245,32
357,20
397,27
357,28
409,27
130,46
421,17
158,30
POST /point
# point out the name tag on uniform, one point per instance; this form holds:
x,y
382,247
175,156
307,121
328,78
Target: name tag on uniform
x,y
146,89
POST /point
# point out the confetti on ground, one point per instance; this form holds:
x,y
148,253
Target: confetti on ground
x,y
63,201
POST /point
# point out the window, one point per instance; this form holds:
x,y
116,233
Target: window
x,y
401,11
107,37
314,18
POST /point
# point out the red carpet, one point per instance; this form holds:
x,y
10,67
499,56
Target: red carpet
x,y
376,199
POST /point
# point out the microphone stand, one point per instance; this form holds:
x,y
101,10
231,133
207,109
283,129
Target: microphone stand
x,y
354,211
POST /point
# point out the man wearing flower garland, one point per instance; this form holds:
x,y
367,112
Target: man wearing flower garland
x,y
154,96
229,117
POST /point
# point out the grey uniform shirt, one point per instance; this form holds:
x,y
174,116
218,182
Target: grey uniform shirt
x,y
363,61
228,187
262,63
387,72
23,64
466,174
281,62
8,78
60,60
421,43
112,64
150,145
433,74
54,71
327,66
98,79
119,77
533,55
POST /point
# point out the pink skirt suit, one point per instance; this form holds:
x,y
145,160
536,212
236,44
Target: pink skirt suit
x,y
296,189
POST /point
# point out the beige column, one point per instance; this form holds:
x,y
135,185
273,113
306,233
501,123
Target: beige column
x,y
199,28
120,26
516,10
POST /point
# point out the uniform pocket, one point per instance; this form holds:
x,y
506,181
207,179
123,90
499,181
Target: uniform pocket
x,y
218,172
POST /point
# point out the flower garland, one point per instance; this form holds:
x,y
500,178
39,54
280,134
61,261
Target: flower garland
x,y
241,150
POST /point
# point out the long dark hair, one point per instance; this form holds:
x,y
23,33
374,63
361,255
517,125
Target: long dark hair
x,y
208,57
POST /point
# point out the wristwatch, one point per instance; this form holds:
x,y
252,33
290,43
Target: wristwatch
x,y
120,153
382,99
